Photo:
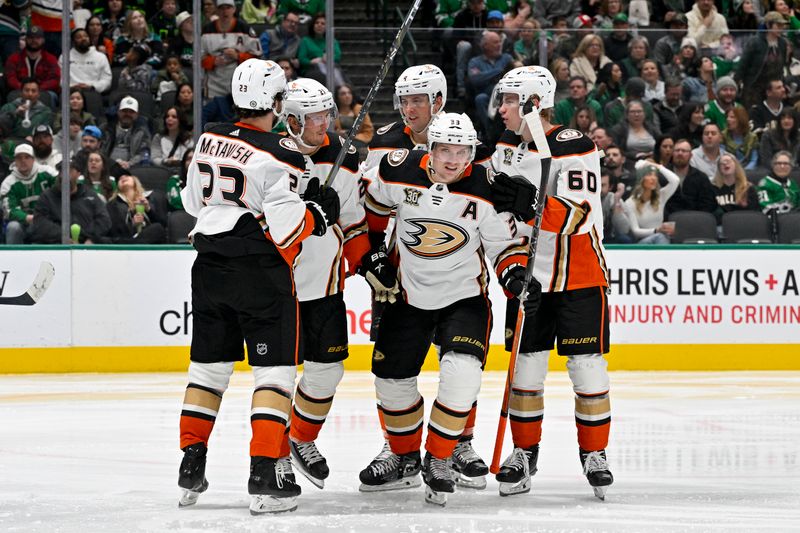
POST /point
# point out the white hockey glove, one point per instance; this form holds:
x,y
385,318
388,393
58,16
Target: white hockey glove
x,y
381,275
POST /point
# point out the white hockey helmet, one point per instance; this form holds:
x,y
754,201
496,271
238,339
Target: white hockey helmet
x,y
452,128
256,84
303,97
526,82
421,79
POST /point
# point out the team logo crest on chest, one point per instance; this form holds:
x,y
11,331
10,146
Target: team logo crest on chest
x,y
434,239
412,196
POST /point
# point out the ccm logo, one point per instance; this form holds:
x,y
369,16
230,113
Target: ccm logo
x,y
582,340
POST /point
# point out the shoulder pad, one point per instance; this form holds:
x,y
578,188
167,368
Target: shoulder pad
x,y
289,144
568,135
384,129
391,136
396,157
565,142
509,137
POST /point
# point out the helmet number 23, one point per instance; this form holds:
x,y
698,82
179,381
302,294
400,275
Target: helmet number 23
x,y
225,173
577,179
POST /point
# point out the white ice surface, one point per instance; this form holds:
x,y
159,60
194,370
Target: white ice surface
x,y
689,451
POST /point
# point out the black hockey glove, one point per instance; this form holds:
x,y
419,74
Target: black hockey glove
x,y
380,274
323,202
515,195
512,279
533,299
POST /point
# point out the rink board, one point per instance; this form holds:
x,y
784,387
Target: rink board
x,y
112,309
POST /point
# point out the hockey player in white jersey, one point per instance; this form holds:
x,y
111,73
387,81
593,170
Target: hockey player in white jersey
x,y
570,269
250,224
319,270
446,227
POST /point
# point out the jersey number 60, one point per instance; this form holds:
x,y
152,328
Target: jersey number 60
x,y
231,173
575,180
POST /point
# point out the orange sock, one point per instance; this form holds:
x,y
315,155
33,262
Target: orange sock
x,y
593,420
269,418
526,410
404,427
199,412
445,426
308,415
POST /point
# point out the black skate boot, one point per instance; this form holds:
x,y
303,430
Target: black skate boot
x,y
470,470
192,474
595,468
272,485
438,477
309,462
389,471
516,472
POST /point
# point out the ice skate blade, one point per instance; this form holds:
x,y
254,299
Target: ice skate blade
x,y
600,492
189,497
435,498
400,484
510,489
465,482
266,504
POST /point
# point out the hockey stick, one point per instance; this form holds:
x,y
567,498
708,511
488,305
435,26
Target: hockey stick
x,y
534,122
373,91
36,290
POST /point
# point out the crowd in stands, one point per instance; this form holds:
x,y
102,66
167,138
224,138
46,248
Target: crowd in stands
x,y
694,103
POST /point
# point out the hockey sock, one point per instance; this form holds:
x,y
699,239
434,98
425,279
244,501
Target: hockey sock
x,y
469,428
269,418
404,427
445,426
200,408
593,419
308,415
526,410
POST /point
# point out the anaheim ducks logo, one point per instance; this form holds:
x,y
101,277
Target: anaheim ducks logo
x,y
432,239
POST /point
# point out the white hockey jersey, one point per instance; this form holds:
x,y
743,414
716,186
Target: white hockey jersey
x,y
237,170
320,268
444,232
569,254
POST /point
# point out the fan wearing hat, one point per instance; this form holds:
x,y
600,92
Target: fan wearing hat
x,y
127,140
706,25
137,74
618,41
670,45
20,191
44,150
182,43
33,62
764,57
725,101
20,116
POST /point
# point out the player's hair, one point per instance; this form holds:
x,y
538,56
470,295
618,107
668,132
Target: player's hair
x,y
251,113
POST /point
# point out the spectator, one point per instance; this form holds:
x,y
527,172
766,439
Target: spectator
x,y
545,11
738,140
645,207
101,43
608,10
583,120
225,43
219,109
609,84
176,182
311,53
96,175
182,44
133,219
617,44
168,147
564,40
135,33
114,18
164,23
465,31
288,68
706,25
616,226
446,11
601,138
589,58
578,96
47,14
91,137
87,210
127,140
662,152
46,154
653,86
614,111
514,15
348,111
763,60
74,132
169,78
778,191
701,87
695,192
484,72
616,164
717,109
80,15
308,8
746,17
632,62
282,40
635,137
526,49
209,12
690,124
788,14
33,62
20,191
669,46
560,69
726,60
137,76
732,191
88,68
184,102
765,114
667,110
705,157
686,63
10,16
782,135
19,117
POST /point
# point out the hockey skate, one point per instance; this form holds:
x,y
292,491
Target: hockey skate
x,y
272,485
309,462
469,469
438,477
595,468
389,471
192,474
516,472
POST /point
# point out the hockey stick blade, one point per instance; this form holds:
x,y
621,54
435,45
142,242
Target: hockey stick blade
x,y
373,91
36,290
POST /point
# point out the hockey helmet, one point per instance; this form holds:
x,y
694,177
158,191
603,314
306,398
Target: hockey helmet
x,y
421,79
452,128
256,84
526,82
303,97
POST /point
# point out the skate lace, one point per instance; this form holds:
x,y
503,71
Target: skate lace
x,y
283,468
309,452
594,462
439,468
519,460
384,464
385,452
465,453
